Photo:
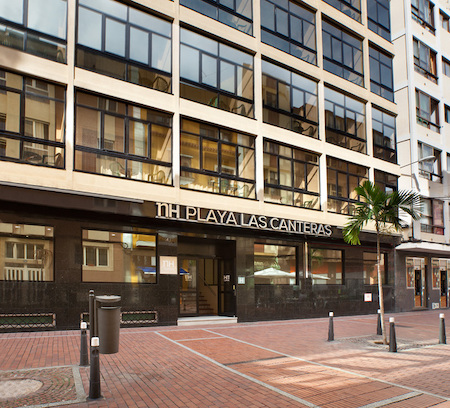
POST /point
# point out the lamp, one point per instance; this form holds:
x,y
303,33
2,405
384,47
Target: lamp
x,y
423,159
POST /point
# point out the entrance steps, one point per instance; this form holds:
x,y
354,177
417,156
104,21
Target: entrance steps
x,y
204,320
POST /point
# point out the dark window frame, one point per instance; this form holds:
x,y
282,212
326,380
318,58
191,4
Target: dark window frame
x,y
376,61
422,116
347,7
384,150
430,170
446,67
431,227
374,22
445,21
386,181
427,66
423,12
326,248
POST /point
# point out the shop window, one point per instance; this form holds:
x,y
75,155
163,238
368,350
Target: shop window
x,y
378,17
384,136
291,176
234,13
342,53
110,256
216,74
445,67
326,266
290,100
423,12
122,140
370,270
217,160
342,179
445,21
125,43
427,111
430,169
32,120
289,27
381,79
274,265
25,26
432,220
386,182
345,121
424,60
26,252
350,7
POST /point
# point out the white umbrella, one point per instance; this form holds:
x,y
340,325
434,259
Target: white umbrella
x,y
272,273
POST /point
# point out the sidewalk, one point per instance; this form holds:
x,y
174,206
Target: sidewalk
x,y
264,364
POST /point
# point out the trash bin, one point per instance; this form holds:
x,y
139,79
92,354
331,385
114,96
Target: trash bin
x,y
108,323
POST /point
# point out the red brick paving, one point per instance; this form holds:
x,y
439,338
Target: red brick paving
x,y
266,364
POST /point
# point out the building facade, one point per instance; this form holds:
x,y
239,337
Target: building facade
x,y
193,157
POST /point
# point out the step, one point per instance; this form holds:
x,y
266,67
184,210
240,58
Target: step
x,y
204,320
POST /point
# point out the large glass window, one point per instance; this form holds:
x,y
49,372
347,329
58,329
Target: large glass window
x,y
430,169
289,27
342,179
235,13
378,17
25,25
122,140
370,271
385,181
26,252
350,7
326,266
423,12
381,80
290,100
217,160
291,176
345,121
342,53
432,219
216,74
424,60
124,43
274,265
384,136
427,111
110,256
32,122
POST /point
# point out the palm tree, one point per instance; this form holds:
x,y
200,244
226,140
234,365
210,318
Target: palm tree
x,y
383,210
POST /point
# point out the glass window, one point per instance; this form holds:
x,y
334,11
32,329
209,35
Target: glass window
x,y
122,140
217,160
447,113
326,266
384,135
27,252
125,43
378,17
370,270
423,12
350,7
432,219
446,67
431,167
427,111
381,79
289,27
445,21
424,60
110,256
385,181
274,265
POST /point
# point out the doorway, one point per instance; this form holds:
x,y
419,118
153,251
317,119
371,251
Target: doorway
x,y
418,288
444,288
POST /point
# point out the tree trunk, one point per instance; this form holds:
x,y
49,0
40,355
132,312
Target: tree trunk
x,y
380,287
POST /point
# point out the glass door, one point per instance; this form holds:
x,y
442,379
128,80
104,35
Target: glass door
x,y
227,287
188,287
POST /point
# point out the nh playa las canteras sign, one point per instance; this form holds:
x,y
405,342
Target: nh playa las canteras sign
x,y
237,219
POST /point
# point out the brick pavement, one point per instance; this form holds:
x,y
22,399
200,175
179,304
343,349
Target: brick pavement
x,y
264,364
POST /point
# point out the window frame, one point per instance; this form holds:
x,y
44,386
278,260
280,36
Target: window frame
x,y
342,263
446,67
427,67
422,12
385,272
431,226
389,91
347,7
373,21
382,151
382,180
422,116
432,171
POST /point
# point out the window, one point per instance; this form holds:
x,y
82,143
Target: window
x,y
381,81
216,74
378,17
27,252
274,265
342,179
122,140
26,26
423,12
326,266
289,27
32,124
111,256
430,169
432,220
370,270
427,111
345,121
350,7
447,113
291,176
424,60
290,100
384,136
446,67
125,43
386,182
217,160
235,13
342,53
445,21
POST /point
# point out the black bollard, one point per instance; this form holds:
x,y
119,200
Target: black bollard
x,y
442,336
392,338
379,328
330,327
94,379
84,358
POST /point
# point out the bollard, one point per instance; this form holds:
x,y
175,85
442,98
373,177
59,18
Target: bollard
x,y
94,379
92,332
442,336
379,328
330,327
84,358
392,339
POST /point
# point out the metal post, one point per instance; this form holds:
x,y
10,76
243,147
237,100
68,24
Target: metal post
x,y
91,315
84,358
379,327
330,327
442,336
94,379
392,338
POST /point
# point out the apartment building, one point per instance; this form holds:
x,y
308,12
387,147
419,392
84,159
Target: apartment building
x,y
421,37
195,157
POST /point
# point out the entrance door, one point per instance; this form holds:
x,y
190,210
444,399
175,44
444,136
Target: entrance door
x,y
418,288
188,287
444,288
227,288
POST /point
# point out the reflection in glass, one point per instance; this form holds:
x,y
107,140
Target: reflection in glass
x,y
326,266
274,265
